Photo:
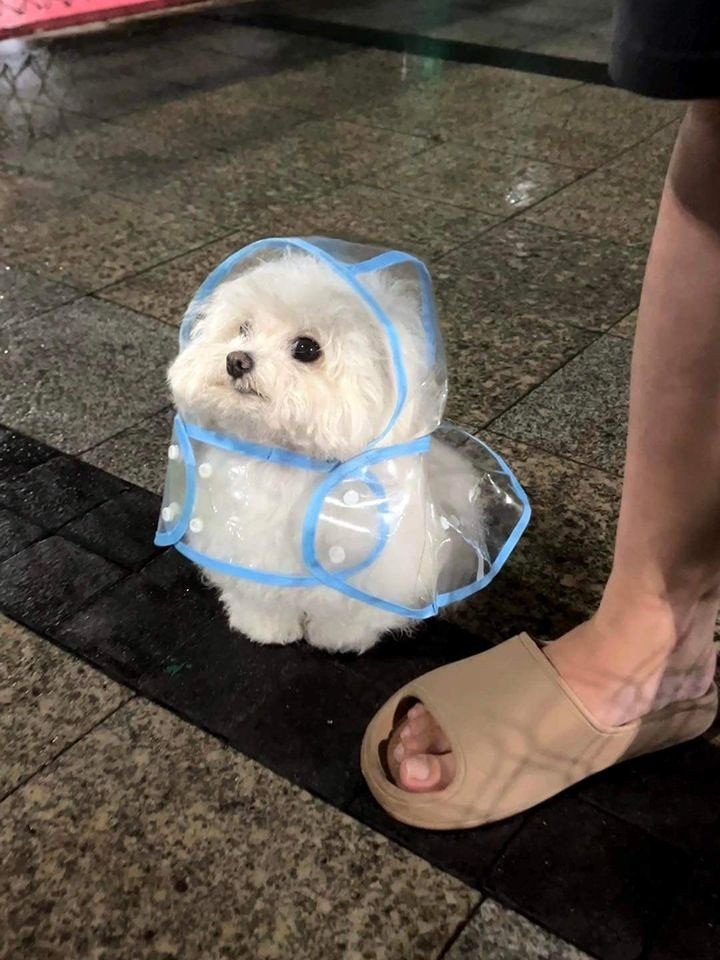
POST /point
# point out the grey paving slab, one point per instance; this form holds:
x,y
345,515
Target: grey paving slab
x,y
149,839
48,699
274,49
138,453
581,44
23,294
531,270
340,85
79,374
558,121
603,204
357,212
492,182
87,239
492,29
555,12
496,357
300,164
496,933
647,162
26,124
198,121
96,154
584,126
581,411
448,102
626,327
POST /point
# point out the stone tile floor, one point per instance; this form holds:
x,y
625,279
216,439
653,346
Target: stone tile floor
x,y
578,29
168,790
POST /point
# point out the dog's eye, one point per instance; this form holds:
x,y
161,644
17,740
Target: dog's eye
x,y
244,330
306,350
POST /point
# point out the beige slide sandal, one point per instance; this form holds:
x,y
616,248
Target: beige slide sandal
x,y
519,735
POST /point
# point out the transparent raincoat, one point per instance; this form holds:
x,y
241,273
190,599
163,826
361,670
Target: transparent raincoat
x,y
425,497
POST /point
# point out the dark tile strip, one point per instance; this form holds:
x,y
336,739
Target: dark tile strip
x,y
584,71
591,878
601,866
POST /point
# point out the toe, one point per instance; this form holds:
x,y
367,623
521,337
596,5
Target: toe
x,y
421,734
427,772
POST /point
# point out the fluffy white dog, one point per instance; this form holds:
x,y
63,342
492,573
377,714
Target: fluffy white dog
x,y
287,355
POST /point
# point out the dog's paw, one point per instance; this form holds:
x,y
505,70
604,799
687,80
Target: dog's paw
x,y
332,639
266,628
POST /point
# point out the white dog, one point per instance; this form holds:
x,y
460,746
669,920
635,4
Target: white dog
x,y
287,355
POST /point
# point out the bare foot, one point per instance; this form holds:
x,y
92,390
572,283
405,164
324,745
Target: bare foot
x,y
616,677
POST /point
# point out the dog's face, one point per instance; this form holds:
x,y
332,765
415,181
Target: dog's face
x,y
288,354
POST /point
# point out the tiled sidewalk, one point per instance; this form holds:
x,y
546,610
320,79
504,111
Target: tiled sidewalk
x,y
168,789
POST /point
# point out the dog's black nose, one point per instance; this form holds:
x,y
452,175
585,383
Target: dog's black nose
x,y
238,363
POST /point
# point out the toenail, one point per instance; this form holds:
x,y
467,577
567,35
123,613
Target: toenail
x,y
399,752
416,710
417,769
405,733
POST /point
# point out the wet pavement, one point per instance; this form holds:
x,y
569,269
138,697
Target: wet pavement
x,y
168,789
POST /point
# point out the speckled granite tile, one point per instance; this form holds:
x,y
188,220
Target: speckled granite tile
x,y
24,294
457,104
342,150
603,204
138,454
210,119
584,44
557,121
524,268
357,212
647,163
559,12
97,154
583,126
87,240
99,79
556,575
490,181
404,16
26,125
495,933
331,86
48,700
492,29
147,821
78,374
165,291
223,192
626,327
272,48
362,213
304,162
495,358
581,411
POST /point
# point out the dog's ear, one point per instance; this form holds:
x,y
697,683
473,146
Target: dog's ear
x,y
403,292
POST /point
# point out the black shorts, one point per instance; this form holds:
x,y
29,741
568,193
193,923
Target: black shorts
x,y
667,48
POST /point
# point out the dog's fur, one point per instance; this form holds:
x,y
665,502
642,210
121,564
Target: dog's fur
x,y
330,409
